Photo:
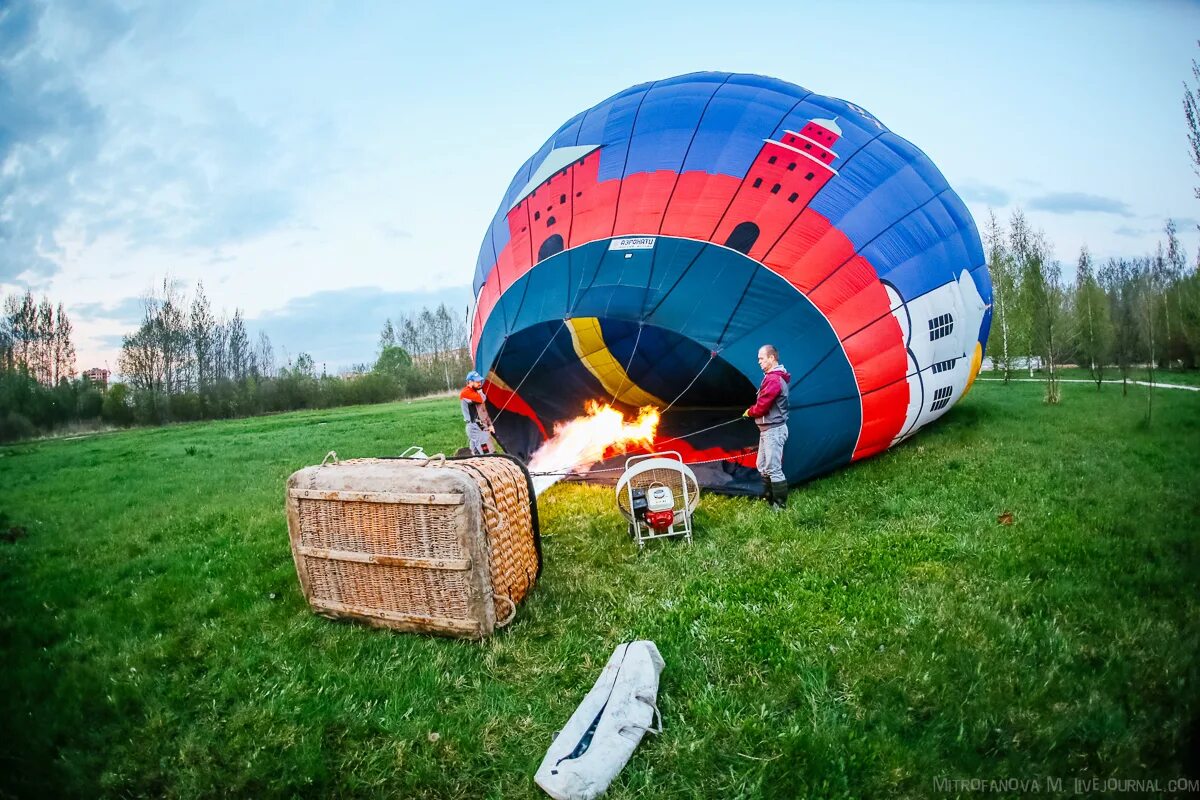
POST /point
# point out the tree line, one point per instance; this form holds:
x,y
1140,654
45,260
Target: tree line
x,y
36,337
434,344
187,362
1114,317
39,389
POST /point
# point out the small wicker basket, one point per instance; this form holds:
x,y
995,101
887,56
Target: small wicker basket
x,y
437,545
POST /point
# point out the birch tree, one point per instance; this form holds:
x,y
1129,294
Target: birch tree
x,y
1023,299
1149,272
1093,326
1000,268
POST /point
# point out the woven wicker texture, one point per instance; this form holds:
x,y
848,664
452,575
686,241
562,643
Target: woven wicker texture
x,y
405,590
506,509
438,546
416,531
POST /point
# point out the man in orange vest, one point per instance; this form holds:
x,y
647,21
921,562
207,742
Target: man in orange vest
x,y
474,411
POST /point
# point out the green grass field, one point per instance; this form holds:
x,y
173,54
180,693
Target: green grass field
x,y
884,633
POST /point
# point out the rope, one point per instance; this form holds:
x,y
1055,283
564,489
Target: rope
x,y
702,430
504,527
500,352
712,354
629,363
529,371
571,470
511,614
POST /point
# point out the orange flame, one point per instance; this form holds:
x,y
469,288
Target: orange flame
x,y
579,443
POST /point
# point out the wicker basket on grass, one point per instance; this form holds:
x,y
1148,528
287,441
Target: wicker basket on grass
x,y
439,545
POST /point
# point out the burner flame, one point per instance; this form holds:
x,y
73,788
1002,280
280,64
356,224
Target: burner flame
x,y
577,444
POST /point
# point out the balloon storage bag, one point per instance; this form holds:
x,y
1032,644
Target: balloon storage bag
x,y
448,546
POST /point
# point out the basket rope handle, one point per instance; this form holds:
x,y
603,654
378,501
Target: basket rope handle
x,y
496,511
331,454
437,460
512,611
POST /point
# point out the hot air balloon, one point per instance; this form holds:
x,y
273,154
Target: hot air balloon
x,y
643,254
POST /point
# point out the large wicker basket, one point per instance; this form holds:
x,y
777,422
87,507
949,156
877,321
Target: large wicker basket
x,y
440,545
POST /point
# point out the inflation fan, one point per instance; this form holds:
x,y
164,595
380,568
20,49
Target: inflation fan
x,y
658,494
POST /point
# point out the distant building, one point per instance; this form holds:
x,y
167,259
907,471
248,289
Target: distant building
x,y
1015,362
98,376
457,354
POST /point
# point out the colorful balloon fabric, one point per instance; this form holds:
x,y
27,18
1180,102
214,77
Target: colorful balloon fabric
x,y
647,250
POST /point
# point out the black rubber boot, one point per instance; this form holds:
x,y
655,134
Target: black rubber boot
x,y
768,491
779,493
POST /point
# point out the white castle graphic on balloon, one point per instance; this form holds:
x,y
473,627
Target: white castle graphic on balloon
x,y
941,334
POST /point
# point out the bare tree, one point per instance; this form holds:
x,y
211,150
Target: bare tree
x,y
64,348
447,341
408,336
43,356
173,334
305,366
239,348
24,326
7,354
141,360
220,349
387,337
156,358
200,329
265,355
1191,111
36,337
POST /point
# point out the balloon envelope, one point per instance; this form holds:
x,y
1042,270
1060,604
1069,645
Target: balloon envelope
x,y
647,250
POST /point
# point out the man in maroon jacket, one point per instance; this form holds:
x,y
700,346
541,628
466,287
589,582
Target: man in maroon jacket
x,y
770,414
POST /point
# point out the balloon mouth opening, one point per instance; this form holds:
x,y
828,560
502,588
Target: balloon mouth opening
x,y
547,373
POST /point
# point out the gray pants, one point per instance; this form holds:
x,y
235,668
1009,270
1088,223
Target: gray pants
x,y
479,439
770,452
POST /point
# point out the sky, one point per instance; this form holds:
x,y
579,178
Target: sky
x,y
323,166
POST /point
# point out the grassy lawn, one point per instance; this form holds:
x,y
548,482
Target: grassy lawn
x,y
1183,377
886,631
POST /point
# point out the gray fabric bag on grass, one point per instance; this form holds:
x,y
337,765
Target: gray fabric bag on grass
x,y
606,728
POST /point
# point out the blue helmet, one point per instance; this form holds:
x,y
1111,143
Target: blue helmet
x,y
474,376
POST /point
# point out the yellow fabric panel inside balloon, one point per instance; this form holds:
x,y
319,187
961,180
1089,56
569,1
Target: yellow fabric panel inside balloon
x,y
588,340
976,363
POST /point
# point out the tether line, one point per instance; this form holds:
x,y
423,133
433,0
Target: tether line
x,y
529,371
